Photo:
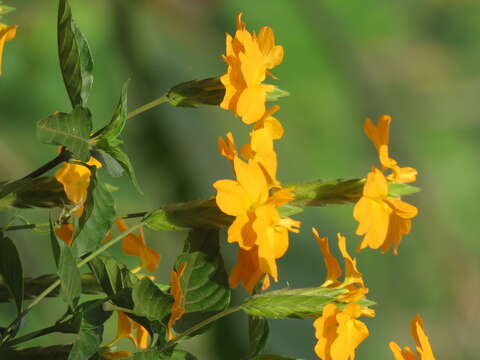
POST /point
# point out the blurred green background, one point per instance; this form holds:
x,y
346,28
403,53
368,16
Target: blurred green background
x,y
345,61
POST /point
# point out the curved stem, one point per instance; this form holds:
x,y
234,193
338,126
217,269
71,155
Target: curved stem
x,y
201,324
148,106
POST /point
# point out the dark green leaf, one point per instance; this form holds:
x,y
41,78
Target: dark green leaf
x,y
150,301
273,357
54,243
86,344
11,270
97,218
112,166
258,334
71,282
75,57
115,279
156,355
119,155
70,130
204,281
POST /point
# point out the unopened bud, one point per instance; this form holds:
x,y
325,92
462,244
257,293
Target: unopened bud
x,y
197,92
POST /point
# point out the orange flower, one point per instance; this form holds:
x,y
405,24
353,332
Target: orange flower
x,y
257,223
65,233
269,122
339,333
424,350
75,179
125,329
379,135
135,245
7,33
249,57
382,219
176,291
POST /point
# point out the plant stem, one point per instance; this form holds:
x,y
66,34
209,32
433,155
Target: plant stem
x,y
33,335
148,106
34,226
201,324
64,155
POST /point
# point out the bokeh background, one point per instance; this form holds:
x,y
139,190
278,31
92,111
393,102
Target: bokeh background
x,y
345,61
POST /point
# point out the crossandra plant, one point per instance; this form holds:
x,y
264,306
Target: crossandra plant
x,y
257,210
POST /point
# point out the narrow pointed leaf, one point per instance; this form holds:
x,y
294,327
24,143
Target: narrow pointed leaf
x,y
114,128
150,301
70,130
75,57
97,217
54,242
258,334
11,270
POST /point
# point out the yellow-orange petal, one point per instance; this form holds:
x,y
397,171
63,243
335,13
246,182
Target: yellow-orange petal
x,y
401,208
227,147
421,339
252,179
232,198
65,233
352,275
326,331
7,33
272,54
176,291
334,271
379,133
373,217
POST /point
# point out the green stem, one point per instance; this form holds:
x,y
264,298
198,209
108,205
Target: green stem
x,y
148,106
201,324
33,335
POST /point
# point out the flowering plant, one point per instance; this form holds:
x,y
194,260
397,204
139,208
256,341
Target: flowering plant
x,y
258,212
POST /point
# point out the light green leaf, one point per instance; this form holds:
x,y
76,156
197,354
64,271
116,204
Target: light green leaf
x,y
397,190
97,218
11,270
292,303
258,334
86,344
75,57
71,130
150,301
71,282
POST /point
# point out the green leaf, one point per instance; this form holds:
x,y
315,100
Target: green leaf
x,y
71,282
296,303
119,155
86,344
11,270
273,357
111,166
97,218
54,242
156,355
258,334
115,279
150,301
397,190
71,130
114,129
276,94
204,281
75,57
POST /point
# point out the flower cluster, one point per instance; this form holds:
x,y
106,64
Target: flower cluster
x,y
255,196
383,219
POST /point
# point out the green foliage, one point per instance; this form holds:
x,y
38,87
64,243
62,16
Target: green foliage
x,y
70,130
273,357
89,337
156,355
75,57
11,270
97,217
258,334
44,191
297,303
150,301
110,144
398,190
71,283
